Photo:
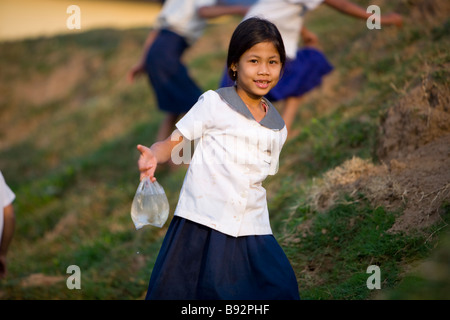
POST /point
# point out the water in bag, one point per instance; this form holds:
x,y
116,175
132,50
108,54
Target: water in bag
x,y
150,205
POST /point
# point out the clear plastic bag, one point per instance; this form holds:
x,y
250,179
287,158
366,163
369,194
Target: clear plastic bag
x,y
150,205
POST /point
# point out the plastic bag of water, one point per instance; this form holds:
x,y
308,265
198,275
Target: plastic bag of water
x,y
150,205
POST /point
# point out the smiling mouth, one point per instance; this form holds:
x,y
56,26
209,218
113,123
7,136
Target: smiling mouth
x,y
263,84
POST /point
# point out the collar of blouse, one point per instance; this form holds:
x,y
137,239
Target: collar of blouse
x,y
272,119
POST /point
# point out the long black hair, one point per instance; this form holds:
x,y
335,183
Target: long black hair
x,y
249,33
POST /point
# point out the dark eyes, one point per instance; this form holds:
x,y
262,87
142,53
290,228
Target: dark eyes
x,y
270,62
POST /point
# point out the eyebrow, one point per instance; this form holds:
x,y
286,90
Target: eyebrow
x,y
271,57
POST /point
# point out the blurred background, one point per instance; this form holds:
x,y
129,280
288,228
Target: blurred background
x,y
30,18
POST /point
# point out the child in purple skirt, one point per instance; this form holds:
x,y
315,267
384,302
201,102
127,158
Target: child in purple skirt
x,y
305,66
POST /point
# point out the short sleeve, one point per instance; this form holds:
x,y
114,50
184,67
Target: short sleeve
x,y
200,117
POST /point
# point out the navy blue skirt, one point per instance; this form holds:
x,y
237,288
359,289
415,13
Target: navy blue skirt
x,y
176,92
198,263
299,76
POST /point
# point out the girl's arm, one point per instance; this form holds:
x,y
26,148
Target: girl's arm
x,y
140,66
356,11
209,12
159,152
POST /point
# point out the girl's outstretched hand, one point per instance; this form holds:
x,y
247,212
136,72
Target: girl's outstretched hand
x,y
147,163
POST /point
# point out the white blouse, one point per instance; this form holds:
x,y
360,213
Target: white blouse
x,y
233,155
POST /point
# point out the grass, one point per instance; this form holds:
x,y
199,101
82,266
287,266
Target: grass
x,y
334,253
71,160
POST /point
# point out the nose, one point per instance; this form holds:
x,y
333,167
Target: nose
x,y
263,69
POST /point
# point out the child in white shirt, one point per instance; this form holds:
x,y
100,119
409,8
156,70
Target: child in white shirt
x,y
178,26
219,244
7,223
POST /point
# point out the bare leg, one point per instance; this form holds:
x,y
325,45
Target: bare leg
x,y
290,111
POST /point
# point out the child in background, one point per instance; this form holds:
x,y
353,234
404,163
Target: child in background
x,y
219,244
178,26
306,66
7,223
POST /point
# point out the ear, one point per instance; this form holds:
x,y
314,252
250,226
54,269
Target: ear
x,y
233,67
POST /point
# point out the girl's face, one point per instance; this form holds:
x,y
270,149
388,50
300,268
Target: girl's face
x,y
258,70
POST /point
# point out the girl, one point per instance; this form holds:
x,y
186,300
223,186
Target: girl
x,y
219,244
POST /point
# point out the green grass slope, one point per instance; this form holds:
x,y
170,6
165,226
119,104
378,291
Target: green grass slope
x,y
365,182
